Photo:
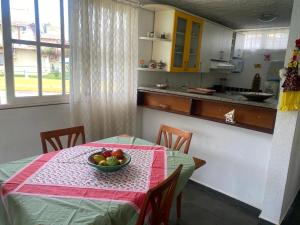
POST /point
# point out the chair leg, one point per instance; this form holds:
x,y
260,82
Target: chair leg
x,y
178,205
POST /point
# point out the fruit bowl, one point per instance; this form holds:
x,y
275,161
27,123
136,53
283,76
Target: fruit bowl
x,y
256,96
107,161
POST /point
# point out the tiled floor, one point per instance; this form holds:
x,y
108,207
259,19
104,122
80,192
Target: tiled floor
x,y
294,216
202,207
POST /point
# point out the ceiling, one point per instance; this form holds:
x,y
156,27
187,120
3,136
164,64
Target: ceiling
x,y
237,14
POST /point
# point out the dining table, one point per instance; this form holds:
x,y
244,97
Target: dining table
x,y
61,188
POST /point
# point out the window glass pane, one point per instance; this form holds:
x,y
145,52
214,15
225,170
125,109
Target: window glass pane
x,y
22,19
49,13
194,45
51,71
67,70
66,17
179,43
25,70
2,71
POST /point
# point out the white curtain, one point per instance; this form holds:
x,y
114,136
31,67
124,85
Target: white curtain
x,y
266,39
103,42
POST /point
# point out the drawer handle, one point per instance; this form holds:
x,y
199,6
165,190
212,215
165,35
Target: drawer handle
x,y
163,106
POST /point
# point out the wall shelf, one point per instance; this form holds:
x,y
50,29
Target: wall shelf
x,y
151,70
154,39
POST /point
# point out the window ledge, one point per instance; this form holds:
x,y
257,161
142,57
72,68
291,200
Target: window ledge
x,y
26,104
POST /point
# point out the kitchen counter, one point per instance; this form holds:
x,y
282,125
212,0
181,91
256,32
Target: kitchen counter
x,y
224,97
259,116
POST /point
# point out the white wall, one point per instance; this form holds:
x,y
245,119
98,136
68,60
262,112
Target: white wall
x,y
20,129
283,170
278,166
293,178
236,157
244,79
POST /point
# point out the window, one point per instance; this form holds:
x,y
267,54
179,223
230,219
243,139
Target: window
x,y
2,69
266,39
34,56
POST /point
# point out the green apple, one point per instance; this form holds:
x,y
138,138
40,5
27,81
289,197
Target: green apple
x,y
112,161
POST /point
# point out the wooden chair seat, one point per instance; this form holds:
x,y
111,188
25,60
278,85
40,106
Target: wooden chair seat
x,y
54,138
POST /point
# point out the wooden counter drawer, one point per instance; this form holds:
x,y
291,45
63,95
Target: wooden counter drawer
x,y
165,102
252,116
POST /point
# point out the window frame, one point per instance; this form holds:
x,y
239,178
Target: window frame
x,y
8,42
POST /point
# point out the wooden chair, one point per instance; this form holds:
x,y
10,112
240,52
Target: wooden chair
x,y
54,137
160,199
183,138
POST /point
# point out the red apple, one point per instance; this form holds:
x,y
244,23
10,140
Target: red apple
x,y
118,153
107,153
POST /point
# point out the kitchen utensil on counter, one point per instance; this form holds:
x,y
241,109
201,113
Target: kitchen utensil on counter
x,y
203,91
161,86
256,96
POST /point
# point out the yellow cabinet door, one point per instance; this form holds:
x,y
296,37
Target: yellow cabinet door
x,y
195,29
187,36
180,42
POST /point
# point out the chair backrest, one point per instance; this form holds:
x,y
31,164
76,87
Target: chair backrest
x,y
183,137
54,137
159,199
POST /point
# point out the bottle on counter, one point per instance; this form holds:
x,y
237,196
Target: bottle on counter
x,y
256,79
256,83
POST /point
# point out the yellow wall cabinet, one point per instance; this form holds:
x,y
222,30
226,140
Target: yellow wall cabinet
x,y
181,50
187,35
